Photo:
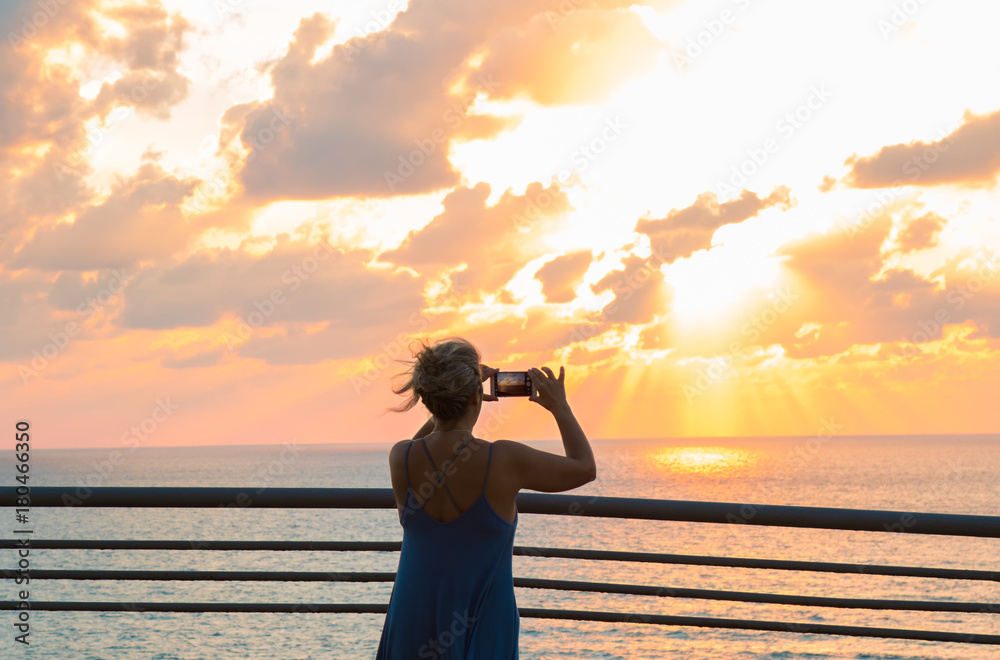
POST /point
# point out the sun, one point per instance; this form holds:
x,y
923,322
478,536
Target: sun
x,y
712,286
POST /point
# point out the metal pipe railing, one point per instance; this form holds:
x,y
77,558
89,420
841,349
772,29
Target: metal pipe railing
x,y
520,550
531,612
538,503
529,583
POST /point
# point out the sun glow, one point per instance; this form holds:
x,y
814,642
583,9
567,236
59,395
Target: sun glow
x,y
711,285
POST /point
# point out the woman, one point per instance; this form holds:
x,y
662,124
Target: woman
x,y
456,495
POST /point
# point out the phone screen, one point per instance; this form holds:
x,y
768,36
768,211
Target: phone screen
x,y
512,383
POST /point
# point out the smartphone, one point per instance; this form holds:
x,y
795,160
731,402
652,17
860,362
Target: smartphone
x,y
512,383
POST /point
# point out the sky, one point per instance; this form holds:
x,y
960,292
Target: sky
x,y
228,222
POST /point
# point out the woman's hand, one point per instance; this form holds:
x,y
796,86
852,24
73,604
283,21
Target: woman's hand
x,y
487,374
551,390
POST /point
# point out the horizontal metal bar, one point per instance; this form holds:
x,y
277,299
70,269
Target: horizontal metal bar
x,y
204,576
538,503
172,544
528,612
115,606
753,597
755,563
528,551
774,626
529,583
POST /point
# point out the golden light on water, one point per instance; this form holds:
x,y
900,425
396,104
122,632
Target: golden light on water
x,y
702,459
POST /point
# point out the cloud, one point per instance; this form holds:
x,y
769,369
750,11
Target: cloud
x,y
494,242
684,231
529,334
369,122
44,142
849,298
561,276
296,282
641,294
150,48
968,156
41,108
921,233
377,116
140,219
204,359
836,294
27,319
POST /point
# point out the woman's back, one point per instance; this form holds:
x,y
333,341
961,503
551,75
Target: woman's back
x,y
465,480
453,596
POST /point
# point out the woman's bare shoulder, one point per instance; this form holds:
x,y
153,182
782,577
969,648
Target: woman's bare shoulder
x,y
512,450
397,451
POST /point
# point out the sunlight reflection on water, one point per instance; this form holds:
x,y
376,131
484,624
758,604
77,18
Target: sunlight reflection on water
x,y
702,459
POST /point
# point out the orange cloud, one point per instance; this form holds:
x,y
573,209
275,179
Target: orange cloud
x,y
920,233
297,281
150,48
561,276
641,293
967,156
848,300
684,231
44,144
494,242
139,220
42,109
377,116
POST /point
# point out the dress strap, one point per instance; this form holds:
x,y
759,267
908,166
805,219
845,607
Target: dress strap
x,y
439,474
406,464
490,458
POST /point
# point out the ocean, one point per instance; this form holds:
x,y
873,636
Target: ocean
x,y
956,474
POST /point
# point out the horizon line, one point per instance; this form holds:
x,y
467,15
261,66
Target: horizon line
x,y
591,440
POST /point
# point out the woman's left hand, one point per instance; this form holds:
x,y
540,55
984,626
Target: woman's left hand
x,y
487,374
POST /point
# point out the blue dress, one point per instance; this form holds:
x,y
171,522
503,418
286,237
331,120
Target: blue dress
x,y
453,597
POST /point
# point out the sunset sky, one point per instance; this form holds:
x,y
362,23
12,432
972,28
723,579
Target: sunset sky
x,y
220,221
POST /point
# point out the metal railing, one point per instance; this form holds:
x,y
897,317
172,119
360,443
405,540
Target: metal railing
x,y
527,503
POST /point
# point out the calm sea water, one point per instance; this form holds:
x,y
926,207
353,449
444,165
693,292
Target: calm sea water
x,y
940,474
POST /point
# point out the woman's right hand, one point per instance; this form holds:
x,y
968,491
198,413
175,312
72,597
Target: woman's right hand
x,y
487,373
551,390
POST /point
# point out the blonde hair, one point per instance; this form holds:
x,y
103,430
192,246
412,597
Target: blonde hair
x,y
444,377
